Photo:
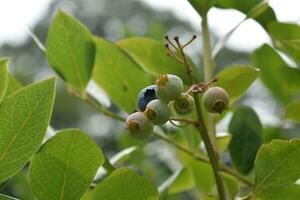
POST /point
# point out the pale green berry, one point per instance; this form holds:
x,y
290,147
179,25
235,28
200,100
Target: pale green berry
x,y
184,104
138,126
215,100
168,87
158,112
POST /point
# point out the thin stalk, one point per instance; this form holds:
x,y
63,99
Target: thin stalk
x,y
207,59
210,149
185,62
89,100
208,73
209,136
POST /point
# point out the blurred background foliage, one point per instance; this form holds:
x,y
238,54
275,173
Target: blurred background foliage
x,y
114,20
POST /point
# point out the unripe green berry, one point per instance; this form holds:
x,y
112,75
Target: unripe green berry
x,y
158,112
138,126
168,87
215,100
184,104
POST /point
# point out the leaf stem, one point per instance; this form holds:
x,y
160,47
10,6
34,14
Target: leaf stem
x,y
213,157
95,104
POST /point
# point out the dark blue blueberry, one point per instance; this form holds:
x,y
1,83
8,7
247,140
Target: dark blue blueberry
x,y
145,96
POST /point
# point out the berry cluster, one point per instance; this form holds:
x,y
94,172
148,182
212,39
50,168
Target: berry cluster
x,y
153,104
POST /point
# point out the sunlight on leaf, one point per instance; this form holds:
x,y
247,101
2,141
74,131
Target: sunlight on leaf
x,y
24,118
119,75
70,50
65,166
277,170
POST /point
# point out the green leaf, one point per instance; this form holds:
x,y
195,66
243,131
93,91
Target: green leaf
x,y
231,184
182,180
241,77
5,197
119,75
281,79
12,86
286,36
202,6
24,118
276,169
151,55
65,166
3,78
292,111
125,184
222,143
70,50
258,9
246,131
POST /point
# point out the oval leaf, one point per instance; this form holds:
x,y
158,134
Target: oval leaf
x,y
70,50
292,111
276,169
282,80
125,184
246,131
24,118
119,75
236,80
151,55
65,166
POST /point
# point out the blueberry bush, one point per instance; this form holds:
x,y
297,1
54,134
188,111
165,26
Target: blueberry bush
x,y
160,95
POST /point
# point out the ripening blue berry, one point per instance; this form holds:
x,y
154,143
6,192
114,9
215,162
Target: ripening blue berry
x,y
168,87
158,112
145,96
184,104
215,100
138,126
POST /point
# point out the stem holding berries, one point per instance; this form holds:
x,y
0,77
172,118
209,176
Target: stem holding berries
x,y
195,90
